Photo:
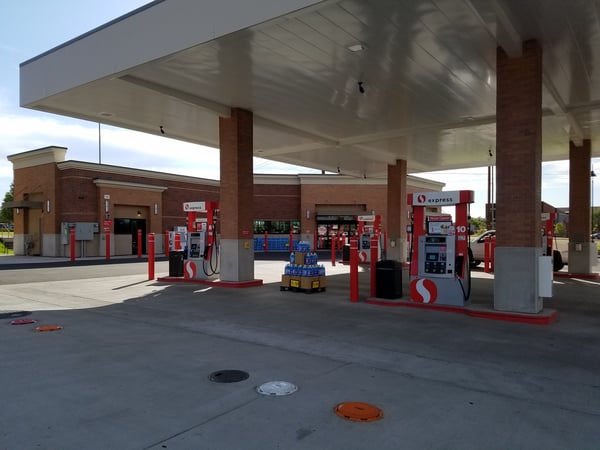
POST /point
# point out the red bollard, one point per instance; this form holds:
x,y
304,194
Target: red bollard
x,y
72,242
266,246
151,256
139,243
107,248
354,269
333,241
492,253
373,265
486,254
167,243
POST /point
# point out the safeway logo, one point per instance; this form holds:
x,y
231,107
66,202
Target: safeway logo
x,y
421,198
423,290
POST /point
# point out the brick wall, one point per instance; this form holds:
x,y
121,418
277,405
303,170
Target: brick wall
x,y
519,150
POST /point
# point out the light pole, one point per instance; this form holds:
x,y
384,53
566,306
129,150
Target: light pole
x,y
593,175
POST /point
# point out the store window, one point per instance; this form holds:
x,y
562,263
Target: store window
x,y
276,226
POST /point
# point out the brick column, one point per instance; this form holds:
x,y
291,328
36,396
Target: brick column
x,y
518,199
236,215
582,252
396,213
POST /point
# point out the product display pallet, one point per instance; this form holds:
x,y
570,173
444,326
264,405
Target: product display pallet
x,y
298,289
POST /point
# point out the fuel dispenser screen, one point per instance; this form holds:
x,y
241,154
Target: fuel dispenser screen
x,y
438,252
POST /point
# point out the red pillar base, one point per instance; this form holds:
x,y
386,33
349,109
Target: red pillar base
x,y
545,317
219,283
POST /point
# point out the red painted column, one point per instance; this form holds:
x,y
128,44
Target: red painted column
x,y
291,244
107,240
139,243
315,241
418,230
167,243
72,243
354,269
373,268
151,256
266,246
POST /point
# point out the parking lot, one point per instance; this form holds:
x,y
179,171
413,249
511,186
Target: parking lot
x,y
131,366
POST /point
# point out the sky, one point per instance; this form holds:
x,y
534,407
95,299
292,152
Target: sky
x,y
31,27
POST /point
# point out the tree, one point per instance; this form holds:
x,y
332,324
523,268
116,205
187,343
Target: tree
x,y
6,214
595,219
560,230
478,225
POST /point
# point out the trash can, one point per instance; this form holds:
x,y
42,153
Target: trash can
x,y
388,279
175,264
346,253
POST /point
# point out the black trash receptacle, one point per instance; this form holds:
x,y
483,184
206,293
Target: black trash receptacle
x,y
388,279
346,253
175,264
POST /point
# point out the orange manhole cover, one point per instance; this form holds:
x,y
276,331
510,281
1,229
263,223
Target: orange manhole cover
x,y
49,328
359,412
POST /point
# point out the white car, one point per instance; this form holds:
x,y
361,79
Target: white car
x,y
477,250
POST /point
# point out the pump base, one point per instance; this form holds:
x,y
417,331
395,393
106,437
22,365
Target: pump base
x,y
545,317
219,283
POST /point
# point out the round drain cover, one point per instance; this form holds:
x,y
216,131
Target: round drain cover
x,y
359,412
49,328
277,388
228,376
22,321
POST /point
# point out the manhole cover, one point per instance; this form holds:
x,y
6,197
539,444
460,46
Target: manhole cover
x,y
22,321
277,388
48,328
359,412
14,315
228,376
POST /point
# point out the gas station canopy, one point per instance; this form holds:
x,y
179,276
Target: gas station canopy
x,y
344,86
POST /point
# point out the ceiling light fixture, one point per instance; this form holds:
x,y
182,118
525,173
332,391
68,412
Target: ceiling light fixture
x,y
356,48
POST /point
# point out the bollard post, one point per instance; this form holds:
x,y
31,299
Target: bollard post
x,y
266,246
374,245
167,243
72,243
486,254
151,256
354,269
107,239
333,242
139,243
492,253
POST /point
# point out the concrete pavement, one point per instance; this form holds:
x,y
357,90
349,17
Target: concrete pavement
x,y
130,368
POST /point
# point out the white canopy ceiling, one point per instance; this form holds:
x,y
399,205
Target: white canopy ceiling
x,y
427,69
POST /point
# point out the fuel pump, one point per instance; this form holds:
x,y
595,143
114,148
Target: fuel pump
x,y
368,226
439,263
203,250
548,220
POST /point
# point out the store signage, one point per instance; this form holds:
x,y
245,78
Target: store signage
x,y
194,206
